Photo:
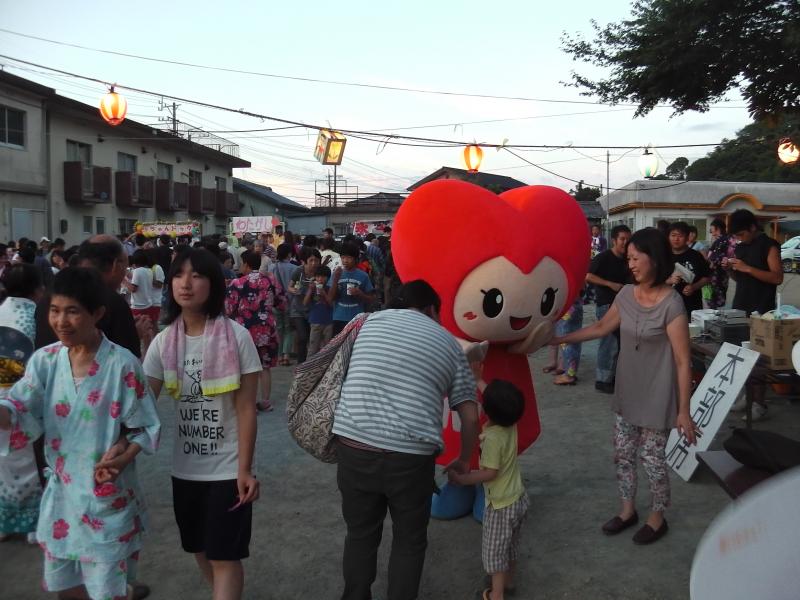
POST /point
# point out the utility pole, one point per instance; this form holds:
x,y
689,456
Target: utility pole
x,y
608,185
334,187
174,119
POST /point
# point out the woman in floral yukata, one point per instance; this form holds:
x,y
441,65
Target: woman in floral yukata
x,y
83,393
251,301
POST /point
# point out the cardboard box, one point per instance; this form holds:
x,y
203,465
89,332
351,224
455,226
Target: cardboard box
x,y
774,339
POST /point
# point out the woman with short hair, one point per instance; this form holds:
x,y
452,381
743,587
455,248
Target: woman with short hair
x,y
653,379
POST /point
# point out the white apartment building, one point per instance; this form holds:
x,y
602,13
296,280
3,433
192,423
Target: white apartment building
x,y
64,172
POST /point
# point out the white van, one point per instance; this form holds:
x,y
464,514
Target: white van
x,y
790,254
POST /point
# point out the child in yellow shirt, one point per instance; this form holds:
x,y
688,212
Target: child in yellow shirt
x,y
506,499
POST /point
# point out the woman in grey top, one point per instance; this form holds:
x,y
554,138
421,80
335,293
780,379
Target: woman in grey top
x,y
653,382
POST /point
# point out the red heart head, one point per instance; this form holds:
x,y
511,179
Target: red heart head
x,y
500,264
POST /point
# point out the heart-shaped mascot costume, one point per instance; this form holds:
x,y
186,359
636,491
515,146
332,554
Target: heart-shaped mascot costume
x,y
506,268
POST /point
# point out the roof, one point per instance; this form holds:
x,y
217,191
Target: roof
x,y
713,195
63,105
481,178
266,194
385,199
592,209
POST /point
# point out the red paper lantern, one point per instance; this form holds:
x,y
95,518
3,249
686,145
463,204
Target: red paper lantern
x,y
472,157
113,107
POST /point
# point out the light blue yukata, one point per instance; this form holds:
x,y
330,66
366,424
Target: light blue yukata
x,y
20,489
90,533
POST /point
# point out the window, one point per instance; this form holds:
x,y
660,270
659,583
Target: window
x,y
164,171
127,162
127,226
12,127
100,225
87,224
79,152
220,183
195,178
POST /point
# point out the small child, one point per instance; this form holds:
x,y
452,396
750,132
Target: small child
x,y
506,499
320,315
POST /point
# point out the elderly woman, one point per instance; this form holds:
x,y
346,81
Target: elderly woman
x,y
653,382
83,393
20,488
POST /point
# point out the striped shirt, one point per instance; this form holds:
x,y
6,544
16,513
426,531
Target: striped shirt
x,y
402,366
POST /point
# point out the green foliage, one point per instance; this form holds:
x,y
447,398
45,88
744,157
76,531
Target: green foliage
x,y
750,156
583,193
676,170
690,53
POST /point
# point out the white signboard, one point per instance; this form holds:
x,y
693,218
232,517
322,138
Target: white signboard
x,y
251,225
758,532
710,404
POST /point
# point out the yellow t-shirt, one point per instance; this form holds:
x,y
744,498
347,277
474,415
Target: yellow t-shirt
x,y
499,451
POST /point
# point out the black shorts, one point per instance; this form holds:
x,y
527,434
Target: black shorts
x,y
205,521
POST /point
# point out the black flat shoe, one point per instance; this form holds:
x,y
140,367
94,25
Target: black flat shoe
x,y
648,535
617,524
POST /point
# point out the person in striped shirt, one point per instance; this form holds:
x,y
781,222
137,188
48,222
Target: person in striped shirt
x,y
388,424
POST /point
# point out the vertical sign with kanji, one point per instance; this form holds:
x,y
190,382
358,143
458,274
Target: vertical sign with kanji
x,y
710,404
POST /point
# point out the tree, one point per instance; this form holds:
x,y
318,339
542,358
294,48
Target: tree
x,y
583,193
690,53
750,156
676,169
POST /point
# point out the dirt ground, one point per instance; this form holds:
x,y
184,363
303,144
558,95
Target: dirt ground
x,y
298,531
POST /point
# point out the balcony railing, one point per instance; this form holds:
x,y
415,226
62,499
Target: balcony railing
x,y
227,204
209,203
86,184
134,191
195,205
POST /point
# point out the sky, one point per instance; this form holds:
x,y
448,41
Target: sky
x,y
502,48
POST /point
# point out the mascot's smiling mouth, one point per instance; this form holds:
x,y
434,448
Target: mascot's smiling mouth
x,y
518,323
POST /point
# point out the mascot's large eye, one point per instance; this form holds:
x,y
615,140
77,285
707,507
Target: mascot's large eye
x,y
492,302
548,300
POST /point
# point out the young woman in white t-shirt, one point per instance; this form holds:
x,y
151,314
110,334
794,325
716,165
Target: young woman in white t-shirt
x,y
213,484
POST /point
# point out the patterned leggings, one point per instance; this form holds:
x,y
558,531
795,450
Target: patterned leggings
x,y
649,444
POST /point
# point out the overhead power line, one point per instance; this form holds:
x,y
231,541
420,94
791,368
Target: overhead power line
x,y
324,81
382,138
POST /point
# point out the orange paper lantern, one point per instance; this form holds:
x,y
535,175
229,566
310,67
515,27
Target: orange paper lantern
x,y
788,153
473,155
113,107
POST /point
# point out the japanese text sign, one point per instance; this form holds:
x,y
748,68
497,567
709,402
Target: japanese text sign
x,y
710,404
251,224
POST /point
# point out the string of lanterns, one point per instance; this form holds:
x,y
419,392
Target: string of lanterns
x,y
114,108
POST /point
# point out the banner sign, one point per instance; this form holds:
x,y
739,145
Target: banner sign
x,y
173,229
365,227
240,225
710,404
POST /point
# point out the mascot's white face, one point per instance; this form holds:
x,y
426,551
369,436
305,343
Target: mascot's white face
x,y
499,303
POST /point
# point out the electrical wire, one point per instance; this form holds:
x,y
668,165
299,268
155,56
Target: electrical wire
x,y
413,141
323,81
649,189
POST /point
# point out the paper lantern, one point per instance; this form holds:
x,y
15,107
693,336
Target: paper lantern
x,y
473,155
788,153
648,164
113,107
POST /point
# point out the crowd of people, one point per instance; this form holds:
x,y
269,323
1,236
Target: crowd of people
x,y
92,335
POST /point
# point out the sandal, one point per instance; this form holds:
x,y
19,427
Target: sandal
x,y
549,369
265,406
486,594
565,379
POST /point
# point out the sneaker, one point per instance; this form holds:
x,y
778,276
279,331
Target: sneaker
x,y
759,413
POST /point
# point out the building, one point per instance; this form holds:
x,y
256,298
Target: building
x,y
65,172
382,206
259,200
496,183
643,203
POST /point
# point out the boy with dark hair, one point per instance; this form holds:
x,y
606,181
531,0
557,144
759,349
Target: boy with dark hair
x,y
506,498
320,312
351,290
692,261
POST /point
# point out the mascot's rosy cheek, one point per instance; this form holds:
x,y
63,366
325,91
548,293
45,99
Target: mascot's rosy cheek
x,y
506,268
